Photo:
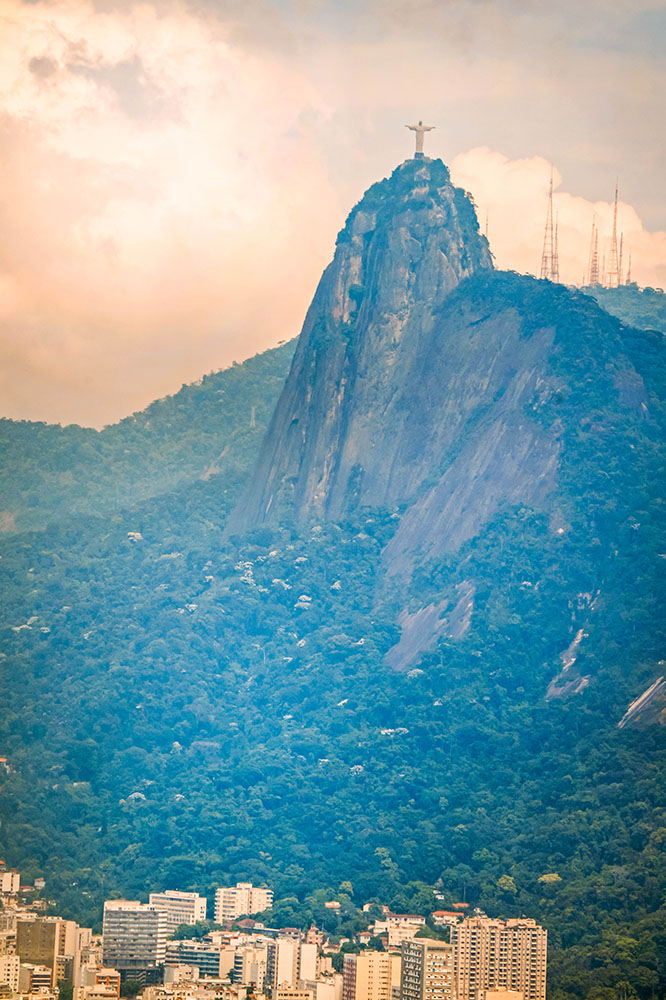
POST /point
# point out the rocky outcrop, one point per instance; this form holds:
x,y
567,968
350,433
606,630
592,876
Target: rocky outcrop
x,y
356,424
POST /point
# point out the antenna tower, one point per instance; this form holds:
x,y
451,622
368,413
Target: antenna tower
x,y
593,268
550,267
629,270
613,273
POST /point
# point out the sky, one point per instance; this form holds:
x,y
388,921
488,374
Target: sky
x,y
173,174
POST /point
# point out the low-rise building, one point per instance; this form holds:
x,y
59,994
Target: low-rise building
x,y
446,918
34,978
398,927
96,982
291,993
328,987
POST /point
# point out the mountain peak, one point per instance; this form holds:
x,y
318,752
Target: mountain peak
x,y
404,247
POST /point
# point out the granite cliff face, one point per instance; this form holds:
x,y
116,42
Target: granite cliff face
x,y
356,423
429,384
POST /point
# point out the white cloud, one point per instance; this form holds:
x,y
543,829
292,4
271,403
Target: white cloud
x,y
514,194
141,250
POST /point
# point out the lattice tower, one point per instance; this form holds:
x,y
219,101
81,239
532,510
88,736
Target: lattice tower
x,y
593,266
613,277
550,267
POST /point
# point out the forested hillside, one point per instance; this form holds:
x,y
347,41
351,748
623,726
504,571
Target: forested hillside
x,y
180,710
214,427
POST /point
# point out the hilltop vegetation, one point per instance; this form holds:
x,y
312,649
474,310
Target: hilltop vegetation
x,y
644,308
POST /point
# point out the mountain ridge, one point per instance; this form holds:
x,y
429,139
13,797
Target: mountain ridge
x,y
211,427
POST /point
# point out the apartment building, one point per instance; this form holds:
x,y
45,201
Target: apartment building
x,y
371,975
134,936
204,955
427,970
282,962
9,973
50,942
34,978
10,880
250,964
491,955
240,900
180,907
307,961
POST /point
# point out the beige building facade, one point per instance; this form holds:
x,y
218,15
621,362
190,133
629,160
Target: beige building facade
x,y
9,972
371,975
499,955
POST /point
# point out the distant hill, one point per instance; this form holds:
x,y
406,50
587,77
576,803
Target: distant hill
x,y
644,308
211,428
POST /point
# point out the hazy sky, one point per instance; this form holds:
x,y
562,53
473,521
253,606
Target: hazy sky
x,y
173,174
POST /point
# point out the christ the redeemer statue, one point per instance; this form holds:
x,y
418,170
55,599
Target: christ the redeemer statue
x,y
419,129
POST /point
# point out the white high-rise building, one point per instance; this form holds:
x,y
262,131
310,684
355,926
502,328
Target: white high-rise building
x,y
307,962
180,907
134,935
240,900
490,955
282,962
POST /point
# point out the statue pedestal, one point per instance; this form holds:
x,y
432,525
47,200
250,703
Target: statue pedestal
x,y
418,156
